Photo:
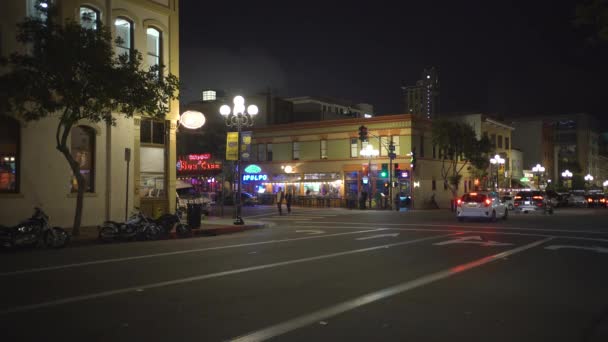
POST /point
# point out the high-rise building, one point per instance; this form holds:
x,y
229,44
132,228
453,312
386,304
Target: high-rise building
x,y
422,100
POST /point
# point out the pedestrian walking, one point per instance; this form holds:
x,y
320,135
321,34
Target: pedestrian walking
x,y
280,198
288,198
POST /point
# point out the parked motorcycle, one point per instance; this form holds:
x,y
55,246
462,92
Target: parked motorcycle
x,y
168,221
32,232
138,226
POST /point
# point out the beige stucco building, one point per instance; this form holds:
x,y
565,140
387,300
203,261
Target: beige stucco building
x,y
34,173
324,159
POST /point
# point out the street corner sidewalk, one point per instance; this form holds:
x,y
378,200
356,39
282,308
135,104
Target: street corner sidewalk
x,y
210,226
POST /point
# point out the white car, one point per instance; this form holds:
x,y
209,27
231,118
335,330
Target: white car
x,y
485,205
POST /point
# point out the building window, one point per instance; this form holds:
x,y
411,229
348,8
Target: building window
x,y
434,151
507,164
396,143
152,132
124,35
499,141
354,147
384,146
269,152
209,95
83,151
493,140
10,143
153,48
295,150
262,152
32,11
89,17
506,143
323,149
152,172
433,185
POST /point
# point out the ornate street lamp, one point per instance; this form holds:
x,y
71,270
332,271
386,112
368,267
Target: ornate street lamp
x,y
369,152
588,179
496,162
567,175
238,117
538,170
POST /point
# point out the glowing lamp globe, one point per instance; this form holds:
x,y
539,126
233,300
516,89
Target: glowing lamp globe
x,y
192,119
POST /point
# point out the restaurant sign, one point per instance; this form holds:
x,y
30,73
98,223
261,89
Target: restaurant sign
x,y
194,163
255,177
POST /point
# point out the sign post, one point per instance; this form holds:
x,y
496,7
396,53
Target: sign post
x,y
128,160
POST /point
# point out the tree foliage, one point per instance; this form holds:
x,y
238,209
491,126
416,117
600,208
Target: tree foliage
x,y
458,146
72,73
593,16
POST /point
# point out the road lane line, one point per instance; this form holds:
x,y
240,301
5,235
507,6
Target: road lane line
x,y
105,261
467,226
324,314
67,300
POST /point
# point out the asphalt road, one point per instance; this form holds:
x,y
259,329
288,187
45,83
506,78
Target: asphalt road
x,y
324,275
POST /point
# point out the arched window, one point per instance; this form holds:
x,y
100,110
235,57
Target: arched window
x,y
10,142
154,47
83,151
124,31
89,17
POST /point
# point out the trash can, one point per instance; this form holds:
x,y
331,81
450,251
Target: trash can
x,y
194,213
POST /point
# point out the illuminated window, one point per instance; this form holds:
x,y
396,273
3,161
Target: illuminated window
x,y
354,147
323,149
154,48
384,146
396,143
209,95
296,150
9,154
89,17
124,35
83,152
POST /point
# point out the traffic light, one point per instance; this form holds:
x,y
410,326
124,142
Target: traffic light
x,y
413,159
384,172
363,133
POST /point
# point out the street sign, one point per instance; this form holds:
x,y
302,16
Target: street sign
x,y
473,240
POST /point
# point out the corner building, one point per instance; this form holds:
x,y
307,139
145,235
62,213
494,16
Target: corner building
x,y
323,159
36,174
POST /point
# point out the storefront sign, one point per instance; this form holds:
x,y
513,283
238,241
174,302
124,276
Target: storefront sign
x,y
253,169
232,148
197,165
204,156
245,145
255,177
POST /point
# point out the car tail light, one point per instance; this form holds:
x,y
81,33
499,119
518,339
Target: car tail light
x,y
603,200
516,204
540,204
589,200
487,202
537,197
517,197
459,202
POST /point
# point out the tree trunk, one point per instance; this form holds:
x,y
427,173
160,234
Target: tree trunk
x,y
62,147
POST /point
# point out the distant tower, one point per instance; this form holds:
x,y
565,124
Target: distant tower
x,y
422,100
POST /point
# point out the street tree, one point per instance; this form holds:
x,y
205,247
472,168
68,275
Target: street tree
x,y
592,15
69,71
459,147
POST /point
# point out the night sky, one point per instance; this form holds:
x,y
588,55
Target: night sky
x,y
510,58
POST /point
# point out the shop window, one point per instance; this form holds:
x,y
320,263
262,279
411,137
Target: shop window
x,y
152,172
354,147
152,132
296,150
323,149
83,151
154,47
10,143
261,152
124,31
89,17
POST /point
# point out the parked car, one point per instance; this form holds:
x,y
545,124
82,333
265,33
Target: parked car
x,y
246,199
532,201
485,205
576,200
596,201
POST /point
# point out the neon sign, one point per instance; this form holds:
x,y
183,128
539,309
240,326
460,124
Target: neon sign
x,y
204,156
255,178
253,169
189,166
405,174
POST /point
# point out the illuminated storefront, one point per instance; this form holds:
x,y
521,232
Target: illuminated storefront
x,y
201,171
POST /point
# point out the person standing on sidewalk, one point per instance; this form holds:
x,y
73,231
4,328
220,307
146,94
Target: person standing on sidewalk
x,y
288,198
280,198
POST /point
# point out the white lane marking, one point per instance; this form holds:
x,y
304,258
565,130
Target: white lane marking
x,y
475,240
594,248
467,226
565,237
378,236
287,219
311,231
106,261
324,314
67,300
